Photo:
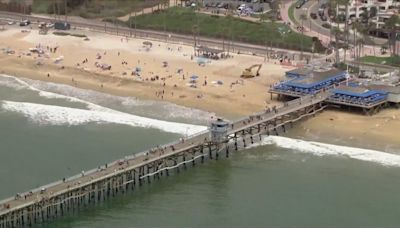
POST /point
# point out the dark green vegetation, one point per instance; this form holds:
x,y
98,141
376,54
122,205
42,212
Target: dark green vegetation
x,y
186,21
391,61
92,8
69,34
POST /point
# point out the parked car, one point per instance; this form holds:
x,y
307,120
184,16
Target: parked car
x,y
300,3
24,23
11,22
41,25
324,18
62,26
313,16
241,7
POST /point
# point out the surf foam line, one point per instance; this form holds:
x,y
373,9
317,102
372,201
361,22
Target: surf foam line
x,y
58,115
23,84
173,110
323,149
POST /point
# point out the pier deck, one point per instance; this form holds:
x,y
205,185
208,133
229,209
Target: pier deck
x,y
37,206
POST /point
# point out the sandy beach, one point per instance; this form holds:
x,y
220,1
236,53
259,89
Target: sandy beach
x,y
169,81
219,88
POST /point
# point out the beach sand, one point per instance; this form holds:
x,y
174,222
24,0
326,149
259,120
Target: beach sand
x,y
242,98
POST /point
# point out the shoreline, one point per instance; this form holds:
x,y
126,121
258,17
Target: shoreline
x,y
230,100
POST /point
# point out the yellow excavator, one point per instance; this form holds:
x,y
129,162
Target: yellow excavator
x,y
247,73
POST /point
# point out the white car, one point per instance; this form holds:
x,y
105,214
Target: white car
x,y
49,25
241,7
11,22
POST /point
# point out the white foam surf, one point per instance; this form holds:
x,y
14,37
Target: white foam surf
x,y
322,149
57,115
92,99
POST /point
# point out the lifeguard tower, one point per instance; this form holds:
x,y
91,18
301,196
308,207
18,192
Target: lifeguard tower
x,y
219,131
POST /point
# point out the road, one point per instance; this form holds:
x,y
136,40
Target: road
x,y
313,27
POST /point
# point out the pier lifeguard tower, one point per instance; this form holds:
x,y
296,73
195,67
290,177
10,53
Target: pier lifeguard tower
x,y
219,131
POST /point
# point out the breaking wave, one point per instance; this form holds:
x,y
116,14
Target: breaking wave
x,y
96,101
322,149
58,115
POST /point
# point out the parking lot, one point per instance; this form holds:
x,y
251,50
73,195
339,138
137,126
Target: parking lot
x,y
246,7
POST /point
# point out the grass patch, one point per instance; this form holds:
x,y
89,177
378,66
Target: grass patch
x,y
61,33
69,34
183,20
390,61
93,8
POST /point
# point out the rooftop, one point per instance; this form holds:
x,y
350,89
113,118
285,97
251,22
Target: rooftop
x,y
312,78
387,88
359,91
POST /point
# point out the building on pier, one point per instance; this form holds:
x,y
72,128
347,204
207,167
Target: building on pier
x,y
341,91
358,96
305,81
393,92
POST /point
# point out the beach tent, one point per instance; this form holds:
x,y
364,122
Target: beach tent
x,y
201,61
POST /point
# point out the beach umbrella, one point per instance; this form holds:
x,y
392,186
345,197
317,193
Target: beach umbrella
x,y
194,77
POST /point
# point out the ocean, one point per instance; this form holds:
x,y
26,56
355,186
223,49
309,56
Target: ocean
x,y
50,131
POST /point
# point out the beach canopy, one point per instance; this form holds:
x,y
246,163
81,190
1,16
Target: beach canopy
x,y
148,43
201,61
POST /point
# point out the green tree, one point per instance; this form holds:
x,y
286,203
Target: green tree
x,y
392,26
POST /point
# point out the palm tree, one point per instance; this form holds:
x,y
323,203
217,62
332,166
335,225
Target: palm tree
x,y
355,27
392,25
336,33
303,17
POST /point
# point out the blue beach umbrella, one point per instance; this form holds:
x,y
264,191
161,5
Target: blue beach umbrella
x,y
194,77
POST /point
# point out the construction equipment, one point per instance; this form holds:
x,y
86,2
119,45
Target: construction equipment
x,y
247,73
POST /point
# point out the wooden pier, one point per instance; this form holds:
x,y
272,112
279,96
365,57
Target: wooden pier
x,y
67,196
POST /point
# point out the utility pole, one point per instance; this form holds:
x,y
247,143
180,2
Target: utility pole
x,y
194,30
65,10
165,25
54,10
58,9
130,22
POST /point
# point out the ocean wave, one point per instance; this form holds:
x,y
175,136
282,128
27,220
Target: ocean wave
x,y
94,100
58,115
322,149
